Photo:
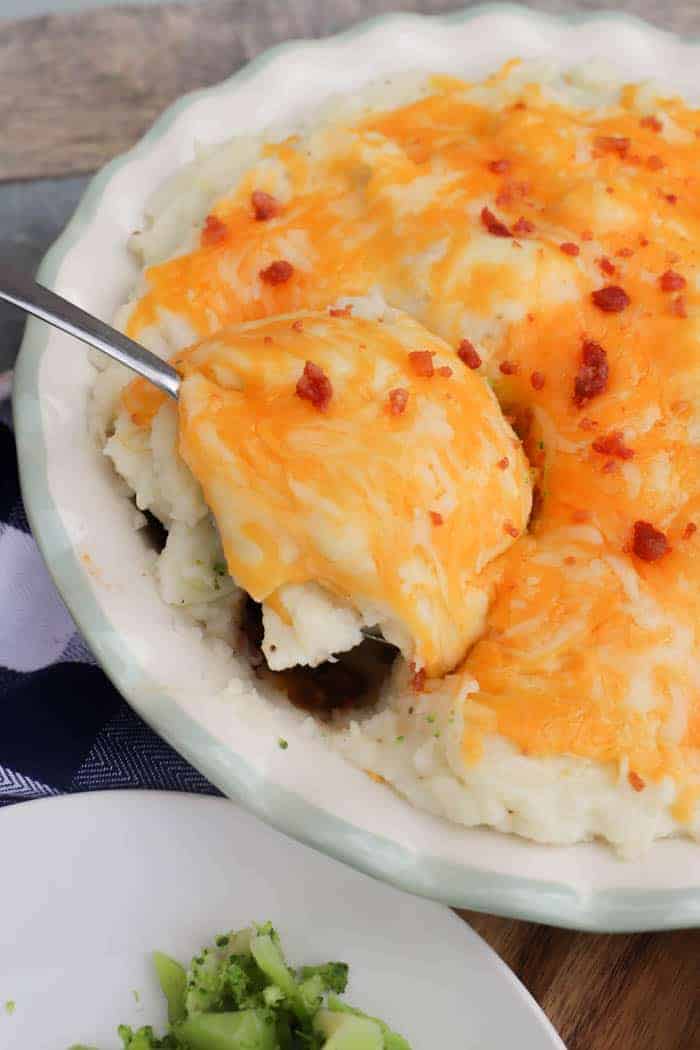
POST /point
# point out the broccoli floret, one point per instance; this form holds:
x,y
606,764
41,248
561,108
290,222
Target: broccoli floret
x,y
144,1039
210,985
242,984
311,992
333,974
204,983
266,950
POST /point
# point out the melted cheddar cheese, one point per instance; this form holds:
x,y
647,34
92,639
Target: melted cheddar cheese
x,y
393,511
492,212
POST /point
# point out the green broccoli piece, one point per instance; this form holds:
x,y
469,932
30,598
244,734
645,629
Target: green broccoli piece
x,y
392,1040
333,974
311,992
173,982
204,983
303,998
345,1031
144,1039
243,984
209,985
243,1030
267,952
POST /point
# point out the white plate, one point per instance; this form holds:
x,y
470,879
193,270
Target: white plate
x,y
82,522
92,883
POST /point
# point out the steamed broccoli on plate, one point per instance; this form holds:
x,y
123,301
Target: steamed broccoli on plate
x,y
240,994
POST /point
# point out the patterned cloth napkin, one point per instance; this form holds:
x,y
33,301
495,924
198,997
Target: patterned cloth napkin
x,y
63,725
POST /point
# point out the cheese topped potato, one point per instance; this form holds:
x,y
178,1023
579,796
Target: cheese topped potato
x,y
359,460
545,224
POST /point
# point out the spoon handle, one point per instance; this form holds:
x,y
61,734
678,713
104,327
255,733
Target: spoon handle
x,y
22,291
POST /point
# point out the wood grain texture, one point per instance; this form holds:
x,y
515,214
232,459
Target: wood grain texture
x,y
76,89
606,992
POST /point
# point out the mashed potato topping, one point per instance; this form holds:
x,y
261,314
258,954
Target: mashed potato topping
x,y
546,227
392,481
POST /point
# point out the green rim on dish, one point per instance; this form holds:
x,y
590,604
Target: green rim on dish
x,y
455,884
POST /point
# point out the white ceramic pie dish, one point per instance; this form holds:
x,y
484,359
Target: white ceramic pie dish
x,y
81,520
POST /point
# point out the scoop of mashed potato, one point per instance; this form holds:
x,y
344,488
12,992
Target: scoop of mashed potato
x,y
359,474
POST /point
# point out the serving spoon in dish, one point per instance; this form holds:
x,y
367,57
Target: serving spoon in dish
x,y
20,290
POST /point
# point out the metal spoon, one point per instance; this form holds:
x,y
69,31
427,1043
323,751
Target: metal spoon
x,y
22,291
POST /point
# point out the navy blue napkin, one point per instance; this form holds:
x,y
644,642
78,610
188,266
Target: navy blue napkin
x,y
63,726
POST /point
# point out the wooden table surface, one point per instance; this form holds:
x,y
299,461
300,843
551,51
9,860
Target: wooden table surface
x,y
77,89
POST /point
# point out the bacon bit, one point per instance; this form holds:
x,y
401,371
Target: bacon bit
x,y
611,299
267,340
510,529
499,167
648,542
655,163
537,380
580,516
265,206
509,191
467,352
494,225
613,444
398,399
643,242
569,560
436,518
605,266
612,144
523,225
672,281
678,307
587,235
214,231
690,530
636,782
277,272
421,361
314,385
298,325
671,198
651,122
519,105
587,424
503,463
417,678
610,466
340,311
569,248
445,371
609,189
509,368
592,378
624,253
